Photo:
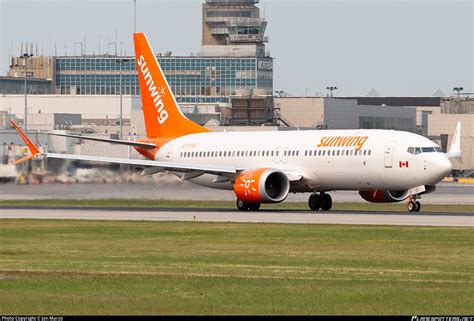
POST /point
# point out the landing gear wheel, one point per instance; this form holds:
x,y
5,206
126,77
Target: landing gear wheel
x,y
315,202
326,203
418,206
254,206
241,205
411,206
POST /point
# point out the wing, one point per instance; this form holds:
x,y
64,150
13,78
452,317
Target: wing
x,y
107,140
151,166
157,165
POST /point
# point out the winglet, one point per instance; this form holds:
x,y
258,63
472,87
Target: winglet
x,y
455,149
32,147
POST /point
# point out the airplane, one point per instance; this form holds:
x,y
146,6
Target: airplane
x,y
264,167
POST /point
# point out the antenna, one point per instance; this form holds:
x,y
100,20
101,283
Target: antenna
x,y
134,16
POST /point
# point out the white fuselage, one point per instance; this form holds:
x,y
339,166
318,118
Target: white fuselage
x,y
382,161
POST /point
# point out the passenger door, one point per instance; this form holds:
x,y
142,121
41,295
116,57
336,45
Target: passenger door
x,y
388,156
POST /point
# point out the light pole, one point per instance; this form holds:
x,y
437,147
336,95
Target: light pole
x,y
331,89
458,90
279,93
25,58
121,61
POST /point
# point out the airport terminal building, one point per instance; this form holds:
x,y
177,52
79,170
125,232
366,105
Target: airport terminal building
x,y
233,64
230,82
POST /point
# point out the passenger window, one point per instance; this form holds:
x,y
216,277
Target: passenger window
x,y
365,152
370,151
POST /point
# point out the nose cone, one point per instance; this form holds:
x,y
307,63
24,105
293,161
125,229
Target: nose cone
x,y
439,168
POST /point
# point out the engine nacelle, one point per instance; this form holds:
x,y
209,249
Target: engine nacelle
x,y
262,185
380,196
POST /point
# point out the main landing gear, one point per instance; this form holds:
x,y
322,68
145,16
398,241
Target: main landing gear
x,y
322,201
413,206
243,206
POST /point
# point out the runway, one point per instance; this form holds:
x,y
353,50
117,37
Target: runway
x,y
170,188
460,219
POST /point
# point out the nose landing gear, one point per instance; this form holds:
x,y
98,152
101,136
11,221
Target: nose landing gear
x,y
322,201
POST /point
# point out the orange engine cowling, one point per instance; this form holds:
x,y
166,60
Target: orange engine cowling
x,y
262,185
380,196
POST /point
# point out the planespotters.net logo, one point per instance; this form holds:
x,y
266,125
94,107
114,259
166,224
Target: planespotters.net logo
x,y
416,318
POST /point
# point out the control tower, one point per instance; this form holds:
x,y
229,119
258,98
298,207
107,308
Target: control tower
x,y
233,28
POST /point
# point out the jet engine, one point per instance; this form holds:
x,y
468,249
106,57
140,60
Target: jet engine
x,y
380,196
262,185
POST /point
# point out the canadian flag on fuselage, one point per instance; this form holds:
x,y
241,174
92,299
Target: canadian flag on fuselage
x,y
403,164
163,118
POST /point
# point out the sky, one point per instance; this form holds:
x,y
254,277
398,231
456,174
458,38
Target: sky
x,y
398,47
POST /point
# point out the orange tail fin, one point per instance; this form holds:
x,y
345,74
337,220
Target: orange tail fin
x,y
163,118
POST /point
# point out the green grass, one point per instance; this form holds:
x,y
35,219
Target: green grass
x,y
161,203
116,267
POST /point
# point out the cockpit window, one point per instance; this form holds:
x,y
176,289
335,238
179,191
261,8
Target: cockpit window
x,y
418,150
